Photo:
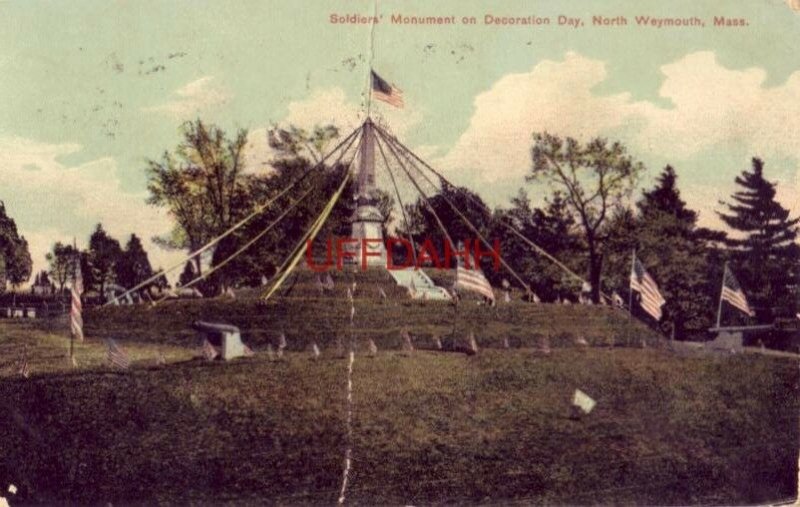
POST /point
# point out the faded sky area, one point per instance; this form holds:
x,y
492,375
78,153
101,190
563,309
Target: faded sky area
x,y
91,89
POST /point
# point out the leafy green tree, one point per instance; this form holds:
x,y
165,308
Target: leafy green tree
x,y
552,228
20,266
594,178
133,266
103,257
424,218
62,263
201,184
16,259
295,152
764,249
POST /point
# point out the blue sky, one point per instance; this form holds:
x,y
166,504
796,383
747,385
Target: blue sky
x,y
91,89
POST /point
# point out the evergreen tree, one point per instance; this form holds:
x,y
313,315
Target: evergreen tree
x,y
133,266
676,254
764,251
187,275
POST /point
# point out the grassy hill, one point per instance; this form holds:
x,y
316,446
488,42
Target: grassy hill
x,y
306,315
428,427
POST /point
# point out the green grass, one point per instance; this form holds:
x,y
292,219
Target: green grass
x,y
427,427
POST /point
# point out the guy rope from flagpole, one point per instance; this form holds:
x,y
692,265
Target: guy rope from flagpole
x,y
347,140
258,236
310,235
466,221
481,205
244,247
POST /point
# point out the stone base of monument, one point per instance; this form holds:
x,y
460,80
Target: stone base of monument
x,y
226,338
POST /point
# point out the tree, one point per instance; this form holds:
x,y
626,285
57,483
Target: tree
x,y
764,250
187,275
62,263
423,224
201,185
133,266
161,282
103,257
677,255
594,178
21,265
552,228
16,259
296,151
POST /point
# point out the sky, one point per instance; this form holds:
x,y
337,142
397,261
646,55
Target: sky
x,y
93,89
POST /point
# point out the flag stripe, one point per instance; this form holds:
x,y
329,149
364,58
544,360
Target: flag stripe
x,y
117,356
474,281
651,299
732,293
386,92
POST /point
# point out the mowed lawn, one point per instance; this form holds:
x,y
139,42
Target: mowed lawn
x,y
428,427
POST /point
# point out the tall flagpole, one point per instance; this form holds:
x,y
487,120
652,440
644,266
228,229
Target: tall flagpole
x,y
722,287
71,331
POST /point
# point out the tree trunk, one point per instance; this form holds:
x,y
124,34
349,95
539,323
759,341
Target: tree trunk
x,y
595,267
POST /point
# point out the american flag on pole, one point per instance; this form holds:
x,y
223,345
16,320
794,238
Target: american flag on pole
x,y
23,368
732,293
329,285
473,279
386,92
76,308
117,356
209,351
641,282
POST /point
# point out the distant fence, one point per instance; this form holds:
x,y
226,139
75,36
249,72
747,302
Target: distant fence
x,y
34,311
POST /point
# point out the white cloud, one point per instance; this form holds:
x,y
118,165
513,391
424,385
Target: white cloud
x,y
327,107
54,202
712,108
192,98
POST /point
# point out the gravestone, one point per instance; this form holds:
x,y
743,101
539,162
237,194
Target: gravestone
x,y
226,338
729,341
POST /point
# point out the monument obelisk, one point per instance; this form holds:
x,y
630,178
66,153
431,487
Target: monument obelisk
x,y
367,219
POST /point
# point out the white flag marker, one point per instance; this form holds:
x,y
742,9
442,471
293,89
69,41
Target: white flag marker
x,y
582,400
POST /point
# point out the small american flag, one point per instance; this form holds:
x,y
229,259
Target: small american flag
x,y
117,356
209,351
76,309
473,279
732,293
386,92
23,368
248,352
408,346
651,299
